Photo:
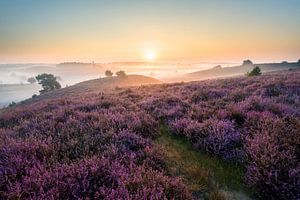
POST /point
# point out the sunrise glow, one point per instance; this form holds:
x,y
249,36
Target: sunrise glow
x,y
150,55
104,31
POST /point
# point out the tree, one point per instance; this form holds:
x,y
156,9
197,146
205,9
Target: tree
x,y
247,62
217,67
108,73
12,104
31,80
255,72
48,82
121,73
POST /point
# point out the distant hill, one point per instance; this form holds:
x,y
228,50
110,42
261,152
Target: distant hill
x,y
219,71
98,85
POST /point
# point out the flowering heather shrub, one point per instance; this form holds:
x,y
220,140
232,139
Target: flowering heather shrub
x,y
222,139
96,149
101,145
233,125
165,107
274,158
260,104
97,178
207,94
17,158
214,136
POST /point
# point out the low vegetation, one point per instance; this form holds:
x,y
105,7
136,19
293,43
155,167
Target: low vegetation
x,y
205,175
255,72
108,73
31,80
111,145
121,73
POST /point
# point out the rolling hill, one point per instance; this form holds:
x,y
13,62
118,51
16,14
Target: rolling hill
x,y
230,138
106,84
219,71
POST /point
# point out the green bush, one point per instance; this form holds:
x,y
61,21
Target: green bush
x,y
255,72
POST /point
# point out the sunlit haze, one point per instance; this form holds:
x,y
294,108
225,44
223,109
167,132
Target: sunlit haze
x,y
181,31
150,55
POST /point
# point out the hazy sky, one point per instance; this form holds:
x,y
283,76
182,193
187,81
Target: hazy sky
x,y
183,30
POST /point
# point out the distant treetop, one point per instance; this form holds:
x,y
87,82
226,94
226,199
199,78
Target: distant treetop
x,y
217,67
48,82
77,63
247,62
121,73
31,80
108,73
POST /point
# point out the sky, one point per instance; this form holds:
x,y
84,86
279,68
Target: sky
x,y
137,30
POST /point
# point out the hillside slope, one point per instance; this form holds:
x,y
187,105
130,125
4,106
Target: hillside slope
x,y
98,85
111,145
219,71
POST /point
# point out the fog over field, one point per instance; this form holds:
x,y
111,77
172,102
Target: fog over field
x,y
16,92
74,73
14,86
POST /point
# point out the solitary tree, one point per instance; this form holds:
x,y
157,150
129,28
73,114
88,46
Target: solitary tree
x,y
255,72
31,80
108,73
247,62
121,74
48,82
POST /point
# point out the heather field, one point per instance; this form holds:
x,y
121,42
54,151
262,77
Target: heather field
x,y
215,139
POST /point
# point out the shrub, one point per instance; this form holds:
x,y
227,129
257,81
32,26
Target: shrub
x,y
12,104
213,136
31,80
108,73
247,62
255,72
121,74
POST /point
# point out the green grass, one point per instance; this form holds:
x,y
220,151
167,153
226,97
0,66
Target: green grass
x,y
202,172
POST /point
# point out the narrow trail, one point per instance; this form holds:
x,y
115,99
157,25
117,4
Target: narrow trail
x,y
206,176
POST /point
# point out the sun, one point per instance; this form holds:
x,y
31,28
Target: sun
x,y
150,55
